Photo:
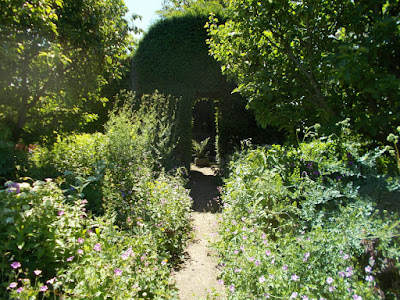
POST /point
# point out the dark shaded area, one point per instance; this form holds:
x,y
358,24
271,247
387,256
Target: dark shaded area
x,y
204,190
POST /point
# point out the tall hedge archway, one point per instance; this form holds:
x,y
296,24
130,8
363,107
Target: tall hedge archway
x,y
173,58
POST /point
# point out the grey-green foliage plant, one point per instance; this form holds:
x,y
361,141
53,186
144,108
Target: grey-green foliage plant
x,y
199,148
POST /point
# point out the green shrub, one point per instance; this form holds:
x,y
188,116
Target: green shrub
x,y
315,221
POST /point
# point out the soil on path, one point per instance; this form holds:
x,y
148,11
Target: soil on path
x,y
197,275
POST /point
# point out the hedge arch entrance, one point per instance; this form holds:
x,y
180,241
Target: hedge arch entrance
x,y
173,58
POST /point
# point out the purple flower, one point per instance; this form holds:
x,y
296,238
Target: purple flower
x,y
294,295
332,288
97,247
306,256
37,272
285,267
257,262
368,269
80,240
70,258
342,274
295,277
267,253
346,256
305,297
349,272
369,278
232,288
329,280
80,251
221,282
61,212
20,289
13,285
261,279
16,265
238,270
118,272
356,297
43,288
164,262
236,251
251,258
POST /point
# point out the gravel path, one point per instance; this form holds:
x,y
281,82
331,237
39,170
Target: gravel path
x,y
197,276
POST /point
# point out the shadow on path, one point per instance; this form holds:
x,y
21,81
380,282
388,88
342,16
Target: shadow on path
x,y
204,189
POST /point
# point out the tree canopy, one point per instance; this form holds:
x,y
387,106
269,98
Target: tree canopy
x,y
55,57
302,62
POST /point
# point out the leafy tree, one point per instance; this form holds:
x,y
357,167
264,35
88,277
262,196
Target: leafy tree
x,y
171,8
302,62
55,57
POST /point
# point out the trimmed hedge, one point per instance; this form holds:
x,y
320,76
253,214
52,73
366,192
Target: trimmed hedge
x,y
173,58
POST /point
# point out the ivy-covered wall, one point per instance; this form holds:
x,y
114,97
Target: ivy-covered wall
x,y
173,58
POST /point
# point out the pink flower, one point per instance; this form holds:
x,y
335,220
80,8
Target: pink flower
x,y
43,288
61,212
15,265
80,240
369,278
164,262
356,297
236,251
295,277
346,256
261,279
232,288
37,272
13,285
294,295
97,247
70,258
20,289
51,281
332,288
329,280
368,269
285,267
118,272
342,274
267,253
306,256
257,262
80,251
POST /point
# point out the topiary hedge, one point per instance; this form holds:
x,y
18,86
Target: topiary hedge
x,y
173,58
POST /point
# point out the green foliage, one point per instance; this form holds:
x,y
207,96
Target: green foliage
x,y
305,62
199,148
52,247
173,58
174,8
55,58
319,220
121,176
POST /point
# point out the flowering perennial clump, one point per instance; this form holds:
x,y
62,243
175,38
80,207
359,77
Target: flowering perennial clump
x,y
298,222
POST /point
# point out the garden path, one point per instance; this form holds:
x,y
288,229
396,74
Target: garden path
x,y
197,276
